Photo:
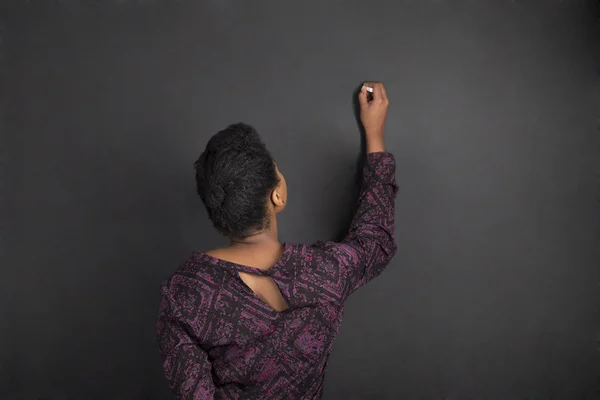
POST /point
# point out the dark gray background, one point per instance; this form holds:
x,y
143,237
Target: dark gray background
x,y
494,122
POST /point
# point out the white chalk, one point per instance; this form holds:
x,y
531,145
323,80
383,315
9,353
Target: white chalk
x,y
369,89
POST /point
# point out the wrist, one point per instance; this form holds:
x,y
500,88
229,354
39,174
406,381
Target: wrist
x,y
375,145
374,132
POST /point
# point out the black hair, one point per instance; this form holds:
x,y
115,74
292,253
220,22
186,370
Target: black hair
x,y
234,176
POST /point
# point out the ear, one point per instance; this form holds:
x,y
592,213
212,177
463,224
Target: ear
x,y
276,198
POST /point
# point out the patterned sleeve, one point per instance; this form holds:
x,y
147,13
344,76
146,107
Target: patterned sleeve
x,y
185,363
370,243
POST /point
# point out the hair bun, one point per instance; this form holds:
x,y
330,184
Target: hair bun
x,y
215,196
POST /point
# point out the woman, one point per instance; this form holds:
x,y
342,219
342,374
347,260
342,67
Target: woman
x,y
257,319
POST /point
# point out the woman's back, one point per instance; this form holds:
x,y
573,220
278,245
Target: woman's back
x,y
254,350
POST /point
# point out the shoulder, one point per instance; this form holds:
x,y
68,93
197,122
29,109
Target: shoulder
x,y
193,283
338,252
324,267
330,255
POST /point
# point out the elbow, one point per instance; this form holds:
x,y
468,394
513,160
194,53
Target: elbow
x,y
385,250
391,251
394,249
389,247
384,246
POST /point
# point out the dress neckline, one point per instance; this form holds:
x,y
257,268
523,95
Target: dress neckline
x,y
232,266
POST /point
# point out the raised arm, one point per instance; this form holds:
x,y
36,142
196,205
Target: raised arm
x,y
185,363
370,243
371,238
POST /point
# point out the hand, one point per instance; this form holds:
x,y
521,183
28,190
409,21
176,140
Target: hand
x,y
372,115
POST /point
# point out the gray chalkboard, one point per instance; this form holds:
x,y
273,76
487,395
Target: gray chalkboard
x,y
494,122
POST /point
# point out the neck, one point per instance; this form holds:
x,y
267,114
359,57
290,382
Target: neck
x,y
264,239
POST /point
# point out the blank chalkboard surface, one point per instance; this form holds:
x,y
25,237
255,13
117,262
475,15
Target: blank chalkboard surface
x,y
494,123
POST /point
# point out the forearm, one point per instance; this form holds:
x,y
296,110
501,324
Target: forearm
x,y
371,238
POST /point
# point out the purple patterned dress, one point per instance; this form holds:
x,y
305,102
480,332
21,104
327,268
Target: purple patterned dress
x,y
217,338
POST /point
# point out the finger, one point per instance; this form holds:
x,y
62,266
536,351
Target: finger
x,y
383,92
377,92
362,96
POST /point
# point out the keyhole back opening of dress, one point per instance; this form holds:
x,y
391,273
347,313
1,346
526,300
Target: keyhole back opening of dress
x,y
265,288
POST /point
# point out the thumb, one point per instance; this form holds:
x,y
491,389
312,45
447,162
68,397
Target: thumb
x,y
362,96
